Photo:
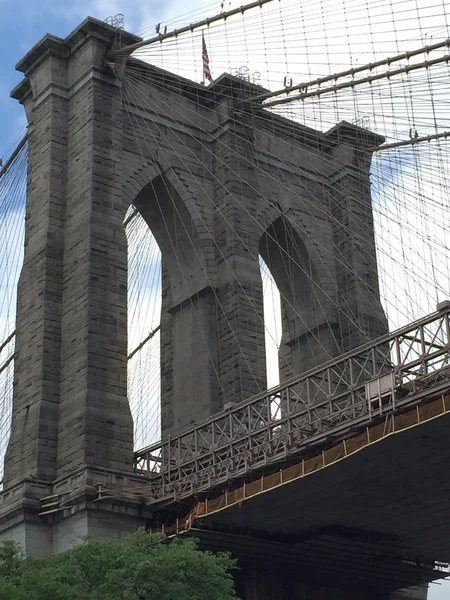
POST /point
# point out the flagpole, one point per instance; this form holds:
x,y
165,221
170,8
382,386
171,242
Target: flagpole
x,y
205,61
203,68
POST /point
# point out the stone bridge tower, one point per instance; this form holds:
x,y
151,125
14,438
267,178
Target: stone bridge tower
x,y
207,183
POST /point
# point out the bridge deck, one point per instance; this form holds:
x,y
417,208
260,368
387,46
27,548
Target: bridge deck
x,y
380,513
330,561
347,483
401,370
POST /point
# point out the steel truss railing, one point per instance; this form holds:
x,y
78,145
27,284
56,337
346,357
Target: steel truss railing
x,y
378,378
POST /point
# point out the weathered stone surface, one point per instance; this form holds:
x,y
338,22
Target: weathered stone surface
x,y
218,186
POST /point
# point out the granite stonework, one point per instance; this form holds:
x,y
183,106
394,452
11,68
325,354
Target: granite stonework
x,y
227,182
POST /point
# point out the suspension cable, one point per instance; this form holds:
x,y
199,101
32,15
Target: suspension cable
x,y
176,32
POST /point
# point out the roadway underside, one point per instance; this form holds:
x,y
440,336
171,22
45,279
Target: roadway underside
x,y
377,518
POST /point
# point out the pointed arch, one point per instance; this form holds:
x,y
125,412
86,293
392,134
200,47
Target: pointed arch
x,y
188,346
143,322
307,339
272,323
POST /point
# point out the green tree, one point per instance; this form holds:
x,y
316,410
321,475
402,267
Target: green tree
x,y
137,567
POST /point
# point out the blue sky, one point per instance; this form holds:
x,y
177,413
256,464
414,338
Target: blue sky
x,y
24,22
21,26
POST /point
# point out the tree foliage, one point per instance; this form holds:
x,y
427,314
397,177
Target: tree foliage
x,y
137,567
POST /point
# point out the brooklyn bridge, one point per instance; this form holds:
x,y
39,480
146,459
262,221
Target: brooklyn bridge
x,y
232,319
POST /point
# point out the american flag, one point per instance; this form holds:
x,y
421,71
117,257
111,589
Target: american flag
x,y
206,72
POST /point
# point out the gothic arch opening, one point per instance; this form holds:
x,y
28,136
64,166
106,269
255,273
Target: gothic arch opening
x,y
272,324
301,297
171,321
144,335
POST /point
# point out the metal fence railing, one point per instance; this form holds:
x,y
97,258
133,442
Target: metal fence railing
x,y
375,379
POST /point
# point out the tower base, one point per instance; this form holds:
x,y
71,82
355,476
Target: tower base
x,y
46,518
